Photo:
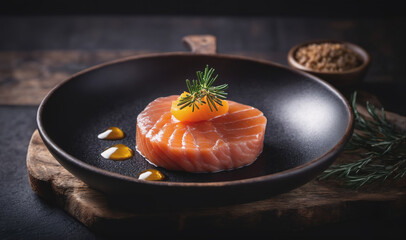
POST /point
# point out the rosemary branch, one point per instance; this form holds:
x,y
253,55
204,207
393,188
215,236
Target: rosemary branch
x,y
380,159
201,88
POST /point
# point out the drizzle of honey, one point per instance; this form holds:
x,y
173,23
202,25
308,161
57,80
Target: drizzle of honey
x,y
151,175
112,133
118,152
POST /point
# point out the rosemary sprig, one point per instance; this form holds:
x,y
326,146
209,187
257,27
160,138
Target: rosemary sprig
x,y
203,87
380,159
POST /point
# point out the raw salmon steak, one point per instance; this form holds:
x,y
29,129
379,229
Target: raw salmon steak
x,y
226,142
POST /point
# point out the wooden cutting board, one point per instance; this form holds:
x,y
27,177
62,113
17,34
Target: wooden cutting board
x,y
317,203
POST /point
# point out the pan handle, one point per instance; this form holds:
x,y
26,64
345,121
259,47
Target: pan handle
x,y
204,44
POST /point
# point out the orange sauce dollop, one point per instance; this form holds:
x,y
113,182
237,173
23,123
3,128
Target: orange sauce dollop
x,y
118,152
111,133
203,113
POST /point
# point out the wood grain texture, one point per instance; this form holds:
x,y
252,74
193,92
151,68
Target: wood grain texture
x,y
26,77
314,204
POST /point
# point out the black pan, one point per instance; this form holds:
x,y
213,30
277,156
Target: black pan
x,y
309,122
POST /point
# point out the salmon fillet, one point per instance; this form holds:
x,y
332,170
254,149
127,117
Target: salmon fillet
x,y
230,141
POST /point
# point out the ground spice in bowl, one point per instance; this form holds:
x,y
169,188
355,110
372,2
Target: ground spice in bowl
x,y
327,57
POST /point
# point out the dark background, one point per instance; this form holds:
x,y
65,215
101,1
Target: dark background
x,y
264,29
342,8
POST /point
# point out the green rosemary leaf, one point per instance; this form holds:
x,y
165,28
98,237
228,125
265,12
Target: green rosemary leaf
x,y
189,86
211,81
383,158
218,101
202,87
210,98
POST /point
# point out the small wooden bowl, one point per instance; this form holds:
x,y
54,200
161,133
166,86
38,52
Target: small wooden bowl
x,y
345,79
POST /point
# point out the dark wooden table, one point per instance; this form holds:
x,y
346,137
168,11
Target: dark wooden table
x,y
31,63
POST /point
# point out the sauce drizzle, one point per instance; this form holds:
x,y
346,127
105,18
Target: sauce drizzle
x,y
118,152
111,133
151,175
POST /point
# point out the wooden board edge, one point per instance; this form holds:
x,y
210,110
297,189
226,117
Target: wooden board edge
x,y
248,214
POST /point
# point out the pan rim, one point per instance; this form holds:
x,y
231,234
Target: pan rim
x,y
264,178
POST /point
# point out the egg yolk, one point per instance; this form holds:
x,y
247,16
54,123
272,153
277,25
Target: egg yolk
x,y
202,113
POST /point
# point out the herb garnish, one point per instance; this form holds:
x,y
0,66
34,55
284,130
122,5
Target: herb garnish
x,y
380,140
202,87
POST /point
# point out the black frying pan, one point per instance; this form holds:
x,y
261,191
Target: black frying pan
x,y
309,122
